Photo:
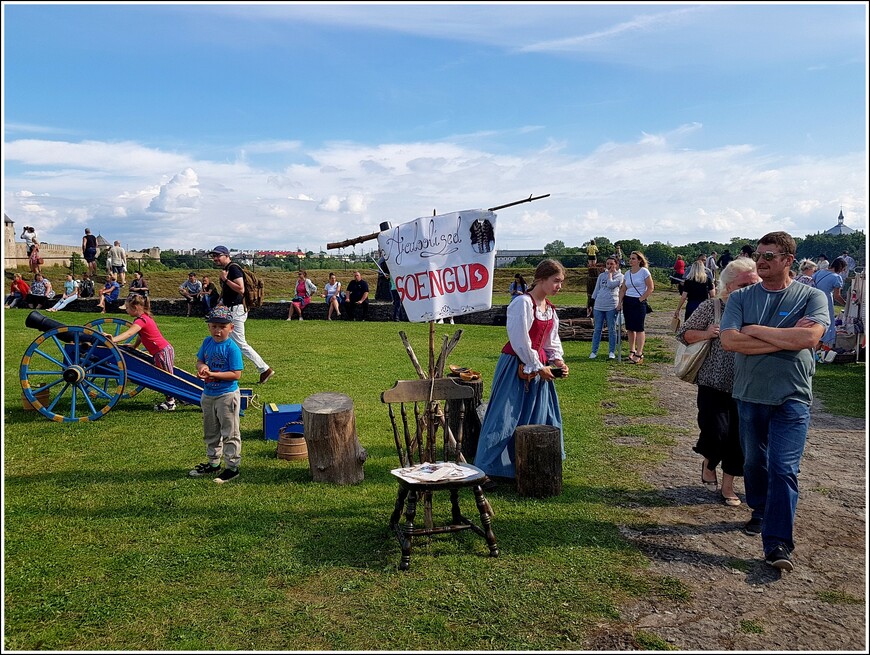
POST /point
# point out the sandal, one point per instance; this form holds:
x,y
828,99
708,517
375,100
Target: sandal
x,y
638,358
731,501
712,485
631,357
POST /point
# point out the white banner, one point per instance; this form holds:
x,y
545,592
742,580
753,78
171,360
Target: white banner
x,y
442,265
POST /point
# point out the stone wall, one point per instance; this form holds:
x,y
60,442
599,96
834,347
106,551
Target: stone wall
x,y
378,311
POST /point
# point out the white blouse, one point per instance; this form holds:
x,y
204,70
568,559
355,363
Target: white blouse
x,y
519,322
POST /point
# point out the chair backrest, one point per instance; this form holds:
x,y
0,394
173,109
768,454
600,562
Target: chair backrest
x,y
425,435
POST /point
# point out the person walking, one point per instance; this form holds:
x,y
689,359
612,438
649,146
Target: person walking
x,y
118,258
606,297
233,298
718,420
772,327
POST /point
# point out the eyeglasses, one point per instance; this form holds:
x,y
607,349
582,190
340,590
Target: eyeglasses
x,y
768,256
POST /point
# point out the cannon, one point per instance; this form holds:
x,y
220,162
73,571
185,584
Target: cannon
x,y
73,373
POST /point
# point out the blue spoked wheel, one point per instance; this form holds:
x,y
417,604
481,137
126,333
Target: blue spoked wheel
x,y
115,326
72,374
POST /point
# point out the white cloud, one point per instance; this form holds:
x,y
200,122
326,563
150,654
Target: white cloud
x,y
178,196
654,188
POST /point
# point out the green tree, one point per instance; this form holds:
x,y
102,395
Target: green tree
x,y
660,254
605,247
555,249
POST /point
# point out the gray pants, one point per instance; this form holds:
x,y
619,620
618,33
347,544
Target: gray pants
x,y
220,422
238,335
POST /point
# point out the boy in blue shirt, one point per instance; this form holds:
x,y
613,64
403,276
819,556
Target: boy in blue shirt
x,y
219,363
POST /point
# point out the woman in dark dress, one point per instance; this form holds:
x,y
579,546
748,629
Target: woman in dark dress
x,y
695,289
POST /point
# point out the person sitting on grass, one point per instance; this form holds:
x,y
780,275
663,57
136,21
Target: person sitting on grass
x,y
219,364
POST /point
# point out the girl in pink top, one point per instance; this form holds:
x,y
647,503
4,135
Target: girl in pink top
x,y
147,333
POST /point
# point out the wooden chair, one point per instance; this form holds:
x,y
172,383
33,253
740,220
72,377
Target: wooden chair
x,y
422,434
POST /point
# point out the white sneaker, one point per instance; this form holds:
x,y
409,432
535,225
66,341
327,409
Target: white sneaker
x,y
593,355
611,356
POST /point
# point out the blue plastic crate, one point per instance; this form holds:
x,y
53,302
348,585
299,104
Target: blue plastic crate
x,y
276,417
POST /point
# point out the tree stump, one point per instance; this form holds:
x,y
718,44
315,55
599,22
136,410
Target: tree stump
x,y
538,460
334,451
471,424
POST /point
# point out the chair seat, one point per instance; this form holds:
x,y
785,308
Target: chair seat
x,y
475,478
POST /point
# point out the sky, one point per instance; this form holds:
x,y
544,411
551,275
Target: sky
x,y
284,125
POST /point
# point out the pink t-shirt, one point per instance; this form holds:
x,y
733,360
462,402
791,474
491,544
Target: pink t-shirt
x,y
150,335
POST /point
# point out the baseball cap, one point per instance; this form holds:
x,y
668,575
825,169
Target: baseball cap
x,y
219,315
219,250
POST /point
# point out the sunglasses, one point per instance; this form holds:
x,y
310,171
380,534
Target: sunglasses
x,y
768,256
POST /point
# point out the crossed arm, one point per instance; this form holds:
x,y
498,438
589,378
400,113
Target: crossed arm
x,y
761,339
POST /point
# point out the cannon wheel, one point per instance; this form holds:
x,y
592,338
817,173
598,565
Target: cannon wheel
x,y
114,326
83,379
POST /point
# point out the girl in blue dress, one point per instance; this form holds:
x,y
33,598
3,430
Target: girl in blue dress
x,y
830,281
535,351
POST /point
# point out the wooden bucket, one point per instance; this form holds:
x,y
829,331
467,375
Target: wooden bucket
x,y
42,396
292,446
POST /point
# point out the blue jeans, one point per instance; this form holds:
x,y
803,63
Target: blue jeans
x,y
773,439
600,316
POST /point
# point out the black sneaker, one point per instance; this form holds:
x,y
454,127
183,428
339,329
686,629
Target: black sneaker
x,y
227,475
780,558
204,469
753,527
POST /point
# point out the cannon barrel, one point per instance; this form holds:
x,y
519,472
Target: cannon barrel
x,y
42,323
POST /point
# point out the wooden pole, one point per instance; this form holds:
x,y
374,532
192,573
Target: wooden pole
x,y
374,235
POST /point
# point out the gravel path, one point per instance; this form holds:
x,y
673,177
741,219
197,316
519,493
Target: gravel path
x,y
737,602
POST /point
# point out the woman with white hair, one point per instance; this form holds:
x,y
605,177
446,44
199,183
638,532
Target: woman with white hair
x,y
807,268
719,438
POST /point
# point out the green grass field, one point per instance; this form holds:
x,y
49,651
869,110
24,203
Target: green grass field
x,y
110,546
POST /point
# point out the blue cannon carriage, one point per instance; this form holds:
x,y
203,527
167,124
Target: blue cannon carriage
x,y
73,373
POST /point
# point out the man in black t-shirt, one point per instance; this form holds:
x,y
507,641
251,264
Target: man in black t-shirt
x,y
232,297
357,297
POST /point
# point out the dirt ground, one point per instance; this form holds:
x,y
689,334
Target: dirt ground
x,y
738,602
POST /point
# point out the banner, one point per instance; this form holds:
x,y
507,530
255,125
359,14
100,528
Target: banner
x,y
442,265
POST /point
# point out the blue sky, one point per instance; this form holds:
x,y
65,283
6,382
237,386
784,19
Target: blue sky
x,y
283,125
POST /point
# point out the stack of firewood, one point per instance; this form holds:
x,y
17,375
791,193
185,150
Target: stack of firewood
x,y
580,329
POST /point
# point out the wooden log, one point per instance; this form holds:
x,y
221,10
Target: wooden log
x,y
334,451
538,460
471,423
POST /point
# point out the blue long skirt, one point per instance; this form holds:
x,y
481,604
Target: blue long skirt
x,y
510,405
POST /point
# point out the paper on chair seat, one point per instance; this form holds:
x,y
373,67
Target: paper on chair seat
x,y
438,472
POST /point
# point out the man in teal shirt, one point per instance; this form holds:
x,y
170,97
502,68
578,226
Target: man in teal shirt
x,y
773,327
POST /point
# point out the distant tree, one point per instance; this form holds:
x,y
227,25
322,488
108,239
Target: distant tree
x,y
660,254
628,245
554,248
832,245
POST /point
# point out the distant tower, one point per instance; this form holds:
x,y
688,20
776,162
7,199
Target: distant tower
x,y
840,227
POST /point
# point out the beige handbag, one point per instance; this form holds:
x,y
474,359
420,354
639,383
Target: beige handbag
x,y
689,359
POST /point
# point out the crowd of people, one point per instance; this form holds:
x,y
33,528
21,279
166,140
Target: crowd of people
x,y
765,322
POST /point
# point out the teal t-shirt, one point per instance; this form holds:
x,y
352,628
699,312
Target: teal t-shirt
x,y
773,378
221,357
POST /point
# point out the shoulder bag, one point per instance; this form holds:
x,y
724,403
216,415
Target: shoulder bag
x,y
688,359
